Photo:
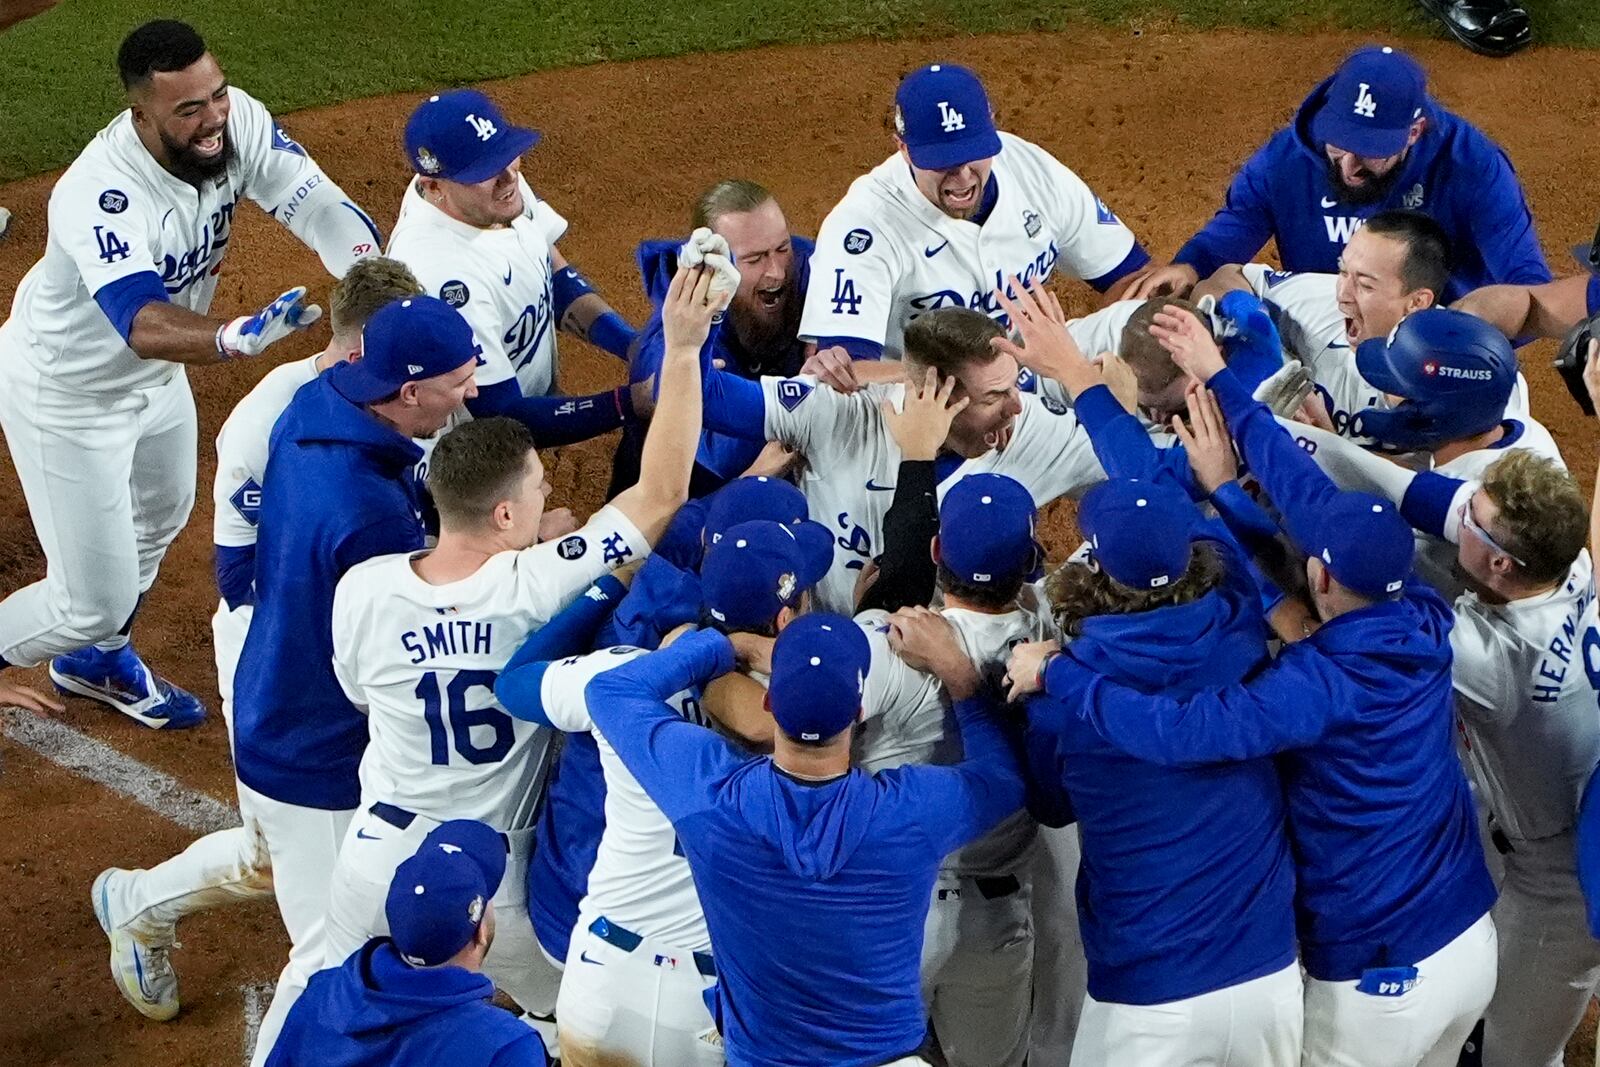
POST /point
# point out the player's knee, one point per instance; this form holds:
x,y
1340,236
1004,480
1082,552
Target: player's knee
x,y
94,613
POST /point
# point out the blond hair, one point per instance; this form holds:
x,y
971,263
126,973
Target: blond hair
x,y
731,196
368,285
1543,514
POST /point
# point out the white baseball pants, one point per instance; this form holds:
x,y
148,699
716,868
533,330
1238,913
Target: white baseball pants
x,y
1549,965
109,481
302,846
977,969
373,848
1424,1027
1252,1024
634,1009
1060,971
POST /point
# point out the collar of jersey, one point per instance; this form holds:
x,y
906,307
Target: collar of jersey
x,y
434,218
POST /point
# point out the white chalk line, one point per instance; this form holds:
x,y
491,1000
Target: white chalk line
x,y
146,786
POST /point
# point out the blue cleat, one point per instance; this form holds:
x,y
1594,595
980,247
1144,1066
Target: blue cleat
x,y
121,680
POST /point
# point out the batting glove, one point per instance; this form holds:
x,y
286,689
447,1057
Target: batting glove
x,y
251,334
1285,389
701,241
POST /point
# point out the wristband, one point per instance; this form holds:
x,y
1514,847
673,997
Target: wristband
x,y
1044,667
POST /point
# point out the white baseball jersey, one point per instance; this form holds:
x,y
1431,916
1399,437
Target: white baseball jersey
x,y
117,213
242,452
1528,702
905,713
852,461
1305,307
640,879
423,659
499,279
886,254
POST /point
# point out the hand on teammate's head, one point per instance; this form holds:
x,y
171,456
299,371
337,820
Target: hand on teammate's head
x,y
1047,348
1193,348
922,425
688,309
1206,440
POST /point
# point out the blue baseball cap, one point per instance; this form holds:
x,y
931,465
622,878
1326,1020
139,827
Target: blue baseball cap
x,y
754,497
942,114
407,340
760,567
1365,543
986,524
1138,532
819,666
439,895
1371,102
462,137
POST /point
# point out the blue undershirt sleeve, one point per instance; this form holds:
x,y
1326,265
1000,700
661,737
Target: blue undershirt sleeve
x,y
555,420
122,299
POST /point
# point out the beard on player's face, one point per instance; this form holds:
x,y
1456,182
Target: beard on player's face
x,y
188,163
1372,186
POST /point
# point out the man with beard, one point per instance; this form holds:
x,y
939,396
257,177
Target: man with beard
x,y
758,335
1366,140
94,400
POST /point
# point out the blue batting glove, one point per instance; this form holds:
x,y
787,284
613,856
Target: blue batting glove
x,y
250,335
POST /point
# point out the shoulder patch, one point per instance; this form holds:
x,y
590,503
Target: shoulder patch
x,y
1278,277
857,241
1104,214
1052,405
455,293
1026,382
113,201
284,143
246,500
792,393
571,547
1032,224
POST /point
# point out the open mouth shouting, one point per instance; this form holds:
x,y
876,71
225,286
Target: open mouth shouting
x,y
209,146
961,199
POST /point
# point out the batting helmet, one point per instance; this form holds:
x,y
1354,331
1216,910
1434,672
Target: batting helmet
x,y
1454,372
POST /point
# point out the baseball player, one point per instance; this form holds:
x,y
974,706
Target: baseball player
x,y
956,212
94,400
1367,139
814,875
1393,894
419,997
419,638
977,959
139,910
640,957
481,241
760,333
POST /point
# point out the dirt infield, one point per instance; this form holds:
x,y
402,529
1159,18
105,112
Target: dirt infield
x,y
1155,123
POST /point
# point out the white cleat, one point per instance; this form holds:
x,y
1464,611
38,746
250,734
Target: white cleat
x,y
142,970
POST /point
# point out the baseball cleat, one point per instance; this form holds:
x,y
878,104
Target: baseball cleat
x,y
1488,27
5,222
121,680
141,970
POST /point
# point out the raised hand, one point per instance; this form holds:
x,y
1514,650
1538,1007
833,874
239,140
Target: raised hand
x,y
687,311
921,427
1206,440
1046,347
1193,348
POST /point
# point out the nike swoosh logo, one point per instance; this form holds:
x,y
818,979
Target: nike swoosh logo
x,y
931,252
872,487
508,275
584,956
367,837
1329,203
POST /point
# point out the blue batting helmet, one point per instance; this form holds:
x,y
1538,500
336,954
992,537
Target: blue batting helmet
x,y
1453,370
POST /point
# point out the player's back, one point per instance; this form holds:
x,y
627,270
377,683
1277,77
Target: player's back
x,y
1528,701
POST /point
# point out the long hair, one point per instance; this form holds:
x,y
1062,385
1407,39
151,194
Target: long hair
x,y
1078,592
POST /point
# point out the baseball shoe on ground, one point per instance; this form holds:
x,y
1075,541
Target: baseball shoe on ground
x,y
121,680
140,967
5,222
1488,27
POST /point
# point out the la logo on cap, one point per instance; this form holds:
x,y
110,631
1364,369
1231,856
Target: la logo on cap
x,y
950,120
1366,106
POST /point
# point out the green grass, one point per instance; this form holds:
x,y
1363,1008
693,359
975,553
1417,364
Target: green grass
x,y
58,81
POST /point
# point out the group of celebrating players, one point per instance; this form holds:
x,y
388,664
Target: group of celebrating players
x,y
1285,764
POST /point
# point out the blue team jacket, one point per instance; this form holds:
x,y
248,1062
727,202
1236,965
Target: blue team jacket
x,y
340,490
1386,845
721,454
1186,884
377,1011
1453,173
815,893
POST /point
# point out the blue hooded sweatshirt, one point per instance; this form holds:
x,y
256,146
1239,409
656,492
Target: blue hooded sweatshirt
x,y
340,490
815,893
378,1011
724,456
1186,884
1386,847
1454,174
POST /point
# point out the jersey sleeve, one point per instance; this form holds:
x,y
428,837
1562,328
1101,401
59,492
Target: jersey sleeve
x,y
811,418
853,273
1101,331
1093,242
1483,672
236,489
561,688
551,574
893,689
350,599
552,226
104,225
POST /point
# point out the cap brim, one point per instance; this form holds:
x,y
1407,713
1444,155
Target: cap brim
x,y
1372,362
353,382
1365,141
816,552
947,154
512,143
